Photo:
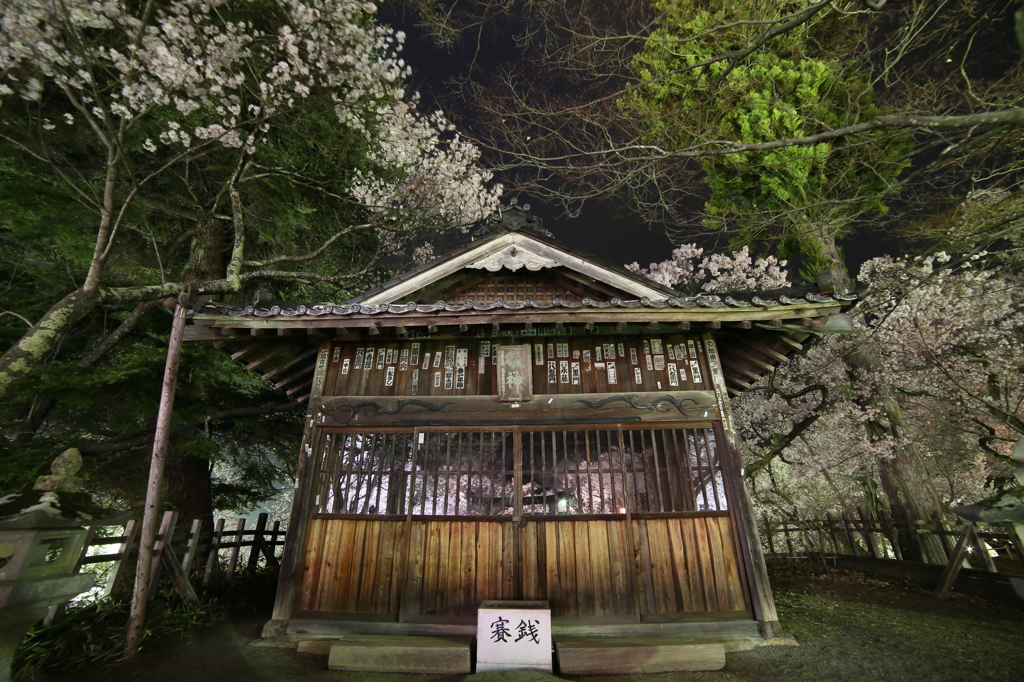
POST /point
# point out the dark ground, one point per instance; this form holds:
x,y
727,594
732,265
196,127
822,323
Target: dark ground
x,y
850,626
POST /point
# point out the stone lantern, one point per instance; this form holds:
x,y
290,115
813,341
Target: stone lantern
x,y
41,539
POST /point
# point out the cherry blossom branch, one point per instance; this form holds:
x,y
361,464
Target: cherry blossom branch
x,y
312,254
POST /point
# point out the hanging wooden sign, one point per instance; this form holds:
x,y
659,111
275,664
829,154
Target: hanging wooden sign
x,y
515,378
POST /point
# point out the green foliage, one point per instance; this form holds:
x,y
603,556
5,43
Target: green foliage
x,y
91,634
796,86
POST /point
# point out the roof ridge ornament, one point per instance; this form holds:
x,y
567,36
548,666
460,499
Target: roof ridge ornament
x,y
511,218
513,257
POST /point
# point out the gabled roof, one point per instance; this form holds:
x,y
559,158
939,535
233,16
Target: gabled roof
x,y
757,329
512,239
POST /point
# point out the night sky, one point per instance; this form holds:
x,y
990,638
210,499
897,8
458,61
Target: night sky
x,y
622,239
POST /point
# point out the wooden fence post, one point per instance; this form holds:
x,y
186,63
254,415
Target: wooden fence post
x,y
868,531
235,548
914,535
162,540
193,545
943,534
768,531
274,534
849,535
890,533
983,556
213,558
832,532
789,540
257,542
1013,540
121,564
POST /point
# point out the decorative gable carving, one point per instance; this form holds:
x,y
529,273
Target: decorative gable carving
x,y
513,258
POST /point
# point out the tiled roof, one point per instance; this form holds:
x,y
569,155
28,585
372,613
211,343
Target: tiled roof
x,y
736,300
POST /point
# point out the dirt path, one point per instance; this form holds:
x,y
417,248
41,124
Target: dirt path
x,y
851,626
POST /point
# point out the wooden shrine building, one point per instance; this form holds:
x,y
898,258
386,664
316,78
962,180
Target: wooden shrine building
x,y
515,420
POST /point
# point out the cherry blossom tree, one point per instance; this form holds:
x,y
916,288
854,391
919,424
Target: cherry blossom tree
x,y
689,270
181,123
922,404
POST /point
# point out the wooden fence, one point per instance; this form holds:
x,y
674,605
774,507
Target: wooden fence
x,y
177,553
882,537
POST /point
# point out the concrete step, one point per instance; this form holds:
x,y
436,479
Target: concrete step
x,y
621,656
401,654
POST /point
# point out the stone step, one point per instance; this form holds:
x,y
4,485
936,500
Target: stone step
x,y
621,656
401,654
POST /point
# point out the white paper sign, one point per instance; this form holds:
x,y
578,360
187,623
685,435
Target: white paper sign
x,y
512,636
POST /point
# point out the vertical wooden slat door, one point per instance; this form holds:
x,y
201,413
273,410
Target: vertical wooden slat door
x,y
614,523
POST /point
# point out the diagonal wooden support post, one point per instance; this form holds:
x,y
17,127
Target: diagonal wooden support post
x,y
137,620
956,560
160,544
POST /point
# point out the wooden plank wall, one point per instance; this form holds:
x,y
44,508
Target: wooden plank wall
x,y
345,379
582,566
353,566
687,565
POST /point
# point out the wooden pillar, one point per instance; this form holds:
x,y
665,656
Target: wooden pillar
x,y
136,623
742,506
295,534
